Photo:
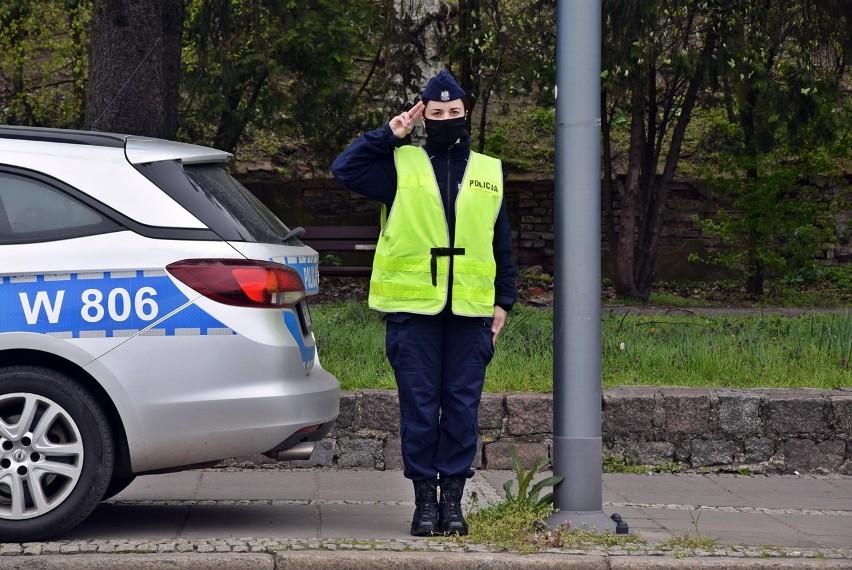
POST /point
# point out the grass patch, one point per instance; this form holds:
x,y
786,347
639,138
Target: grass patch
x,y
513,526
351,344
763,351
813,350
505,526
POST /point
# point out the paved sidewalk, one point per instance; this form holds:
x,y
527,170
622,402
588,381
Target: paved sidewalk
x,y
807,520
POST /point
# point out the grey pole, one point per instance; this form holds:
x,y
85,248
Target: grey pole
x,y
577,277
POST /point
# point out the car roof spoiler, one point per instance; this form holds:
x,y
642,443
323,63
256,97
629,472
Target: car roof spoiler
x,y
137,149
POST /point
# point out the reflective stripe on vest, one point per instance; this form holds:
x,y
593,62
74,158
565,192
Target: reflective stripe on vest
x,y
412,260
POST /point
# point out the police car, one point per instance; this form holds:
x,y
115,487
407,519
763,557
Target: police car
x,y
153,317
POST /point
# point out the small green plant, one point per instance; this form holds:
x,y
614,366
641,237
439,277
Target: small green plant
x,y
614,463
688,541
529,498
695,519
670,467
516,524
331,260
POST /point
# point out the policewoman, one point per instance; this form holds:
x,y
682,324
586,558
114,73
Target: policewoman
x,y
444,277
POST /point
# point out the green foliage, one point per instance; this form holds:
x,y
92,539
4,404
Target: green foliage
x,y
775,221
331,260
249,63
43,61
839,275
524,139
784,66
506,50
527,495
781,87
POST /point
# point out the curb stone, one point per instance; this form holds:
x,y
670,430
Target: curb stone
x,y
337,560
253,553
195,561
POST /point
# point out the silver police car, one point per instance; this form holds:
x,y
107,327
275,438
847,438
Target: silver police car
x,y
153,317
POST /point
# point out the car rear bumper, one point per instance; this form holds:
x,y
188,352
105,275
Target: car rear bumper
x,y
242,398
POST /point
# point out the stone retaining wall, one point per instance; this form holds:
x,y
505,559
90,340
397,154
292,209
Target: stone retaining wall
x,y
762,431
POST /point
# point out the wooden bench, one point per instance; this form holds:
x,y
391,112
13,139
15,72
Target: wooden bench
x,y
343,240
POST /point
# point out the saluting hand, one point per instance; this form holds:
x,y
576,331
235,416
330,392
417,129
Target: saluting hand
x,y
403,123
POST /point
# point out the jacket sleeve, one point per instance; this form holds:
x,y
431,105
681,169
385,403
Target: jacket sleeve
x,y
505,290
367,165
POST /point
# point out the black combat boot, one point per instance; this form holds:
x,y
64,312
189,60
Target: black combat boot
x,y
451,517
425,520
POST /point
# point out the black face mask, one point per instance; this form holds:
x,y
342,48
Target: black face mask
x,y
446,132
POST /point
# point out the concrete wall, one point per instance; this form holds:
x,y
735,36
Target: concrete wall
x,y
763,431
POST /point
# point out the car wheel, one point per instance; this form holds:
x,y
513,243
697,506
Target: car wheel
x,y
56,453
117,485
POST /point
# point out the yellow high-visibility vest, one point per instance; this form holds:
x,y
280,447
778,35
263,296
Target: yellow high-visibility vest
x,y
411,268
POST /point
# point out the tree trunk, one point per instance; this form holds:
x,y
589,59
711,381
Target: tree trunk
x,y
469,78
625,248
242,103
417,42
749,125
754,282
650,236
607,185
134,67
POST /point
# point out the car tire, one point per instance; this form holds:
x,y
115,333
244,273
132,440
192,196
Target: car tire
x,y
117,485
56,453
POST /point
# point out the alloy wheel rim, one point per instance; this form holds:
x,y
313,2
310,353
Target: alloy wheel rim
x,y
41,455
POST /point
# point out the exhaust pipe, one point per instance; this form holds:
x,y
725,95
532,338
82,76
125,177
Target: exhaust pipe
x,y
299,452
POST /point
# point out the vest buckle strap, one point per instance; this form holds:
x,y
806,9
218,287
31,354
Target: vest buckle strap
x,y
442,252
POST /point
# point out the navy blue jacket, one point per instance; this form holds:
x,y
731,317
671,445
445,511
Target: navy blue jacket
x,y
367,167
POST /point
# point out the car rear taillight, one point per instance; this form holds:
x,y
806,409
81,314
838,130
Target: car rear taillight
x,y
242,282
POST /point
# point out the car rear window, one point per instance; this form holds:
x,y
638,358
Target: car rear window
x,y
217,199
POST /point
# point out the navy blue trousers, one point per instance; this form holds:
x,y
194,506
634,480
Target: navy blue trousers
x,y
439,363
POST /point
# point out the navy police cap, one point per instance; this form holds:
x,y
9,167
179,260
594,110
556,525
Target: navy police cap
x,y
442,87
